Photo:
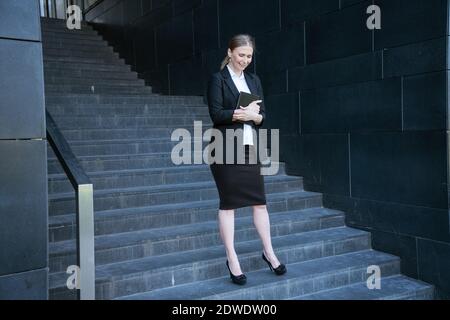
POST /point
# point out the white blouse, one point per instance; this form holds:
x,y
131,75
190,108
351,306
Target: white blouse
x,y
241,85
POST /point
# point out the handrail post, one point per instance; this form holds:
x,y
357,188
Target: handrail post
x,y
46,8
82,9
86,249
84,193
54,12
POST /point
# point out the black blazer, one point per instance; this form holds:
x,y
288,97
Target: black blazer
x,y
222,98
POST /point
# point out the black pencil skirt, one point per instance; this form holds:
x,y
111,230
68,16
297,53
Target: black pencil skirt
x,y
239,185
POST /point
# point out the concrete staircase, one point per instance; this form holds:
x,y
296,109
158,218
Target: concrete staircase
x,y
156,223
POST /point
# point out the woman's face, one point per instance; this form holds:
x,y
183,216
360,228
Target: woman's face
x,y
241,57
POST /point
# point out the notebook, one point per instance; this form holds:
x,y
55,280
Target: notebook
x,y
246,98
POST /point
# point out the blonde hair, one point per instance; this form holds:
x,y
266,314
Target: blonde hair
x,y
238,41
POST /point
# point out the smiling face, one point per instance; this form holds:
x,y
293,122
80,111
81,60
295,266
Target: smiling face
x,y
241,57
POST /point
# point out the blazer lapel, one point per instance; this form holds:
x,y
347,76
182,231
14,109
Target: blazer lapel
x,y
229,81
226,75
250,83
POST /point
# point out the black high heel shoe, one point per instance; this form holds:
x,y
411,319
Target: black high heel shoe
x,y
240,279
281,269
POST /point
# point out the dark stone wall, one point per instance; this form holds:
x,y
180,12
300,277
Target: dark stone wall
x,y
23,160
362,113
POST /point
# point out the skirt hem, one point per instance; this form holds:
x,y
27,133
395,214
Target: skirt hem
x,y
244,206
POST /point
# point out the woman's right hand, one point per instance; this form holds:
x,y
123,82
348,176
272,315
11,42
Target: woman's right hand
x,y
244,114
254,107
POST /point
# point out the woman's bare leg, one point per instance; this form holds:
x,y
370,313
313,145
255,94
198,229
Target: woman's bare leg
x,y
226,229
262,224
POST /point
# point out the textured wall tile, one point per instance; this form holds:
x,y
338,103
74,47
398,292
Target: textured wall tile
x,y
206,27
23,205
408,167
21,90
425,101
251,16
410,21
174,39
416,58
283,112
20,20
30,285
368,106
357,68
434,263
294,11
280,50
338,34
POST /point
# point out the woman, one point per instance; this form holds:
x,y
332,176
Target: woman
x,y
239,185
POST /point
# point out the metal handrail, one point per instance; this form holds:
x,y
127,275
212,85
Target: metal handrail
x,y
84,208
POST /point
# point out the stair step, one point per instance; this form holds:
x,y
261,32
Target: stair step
x,y
132,146
136,147
62,42
106,52
93,57
49,29
51,67
117,133
61,23
58,183
91,75
127,110
395,287
56,83
63,203
105,60
127,142
150,273
62,28
87,35
115,162
95,163
119,247
78,81
80,74
135,134
301,278
77,99
98,88
73,48
127,173
125,121
102,47
104,91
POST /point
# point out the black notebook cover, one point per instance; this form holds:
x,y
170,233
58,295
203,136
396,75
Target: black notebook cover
x,y
245,99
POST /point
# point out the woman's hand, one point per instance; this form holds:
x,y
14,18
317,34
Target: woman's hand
x,y
244,114
253,106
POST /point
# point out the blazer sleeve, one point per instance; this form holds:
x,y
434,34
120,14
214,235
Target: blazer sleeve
x,y
218,114
262,109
